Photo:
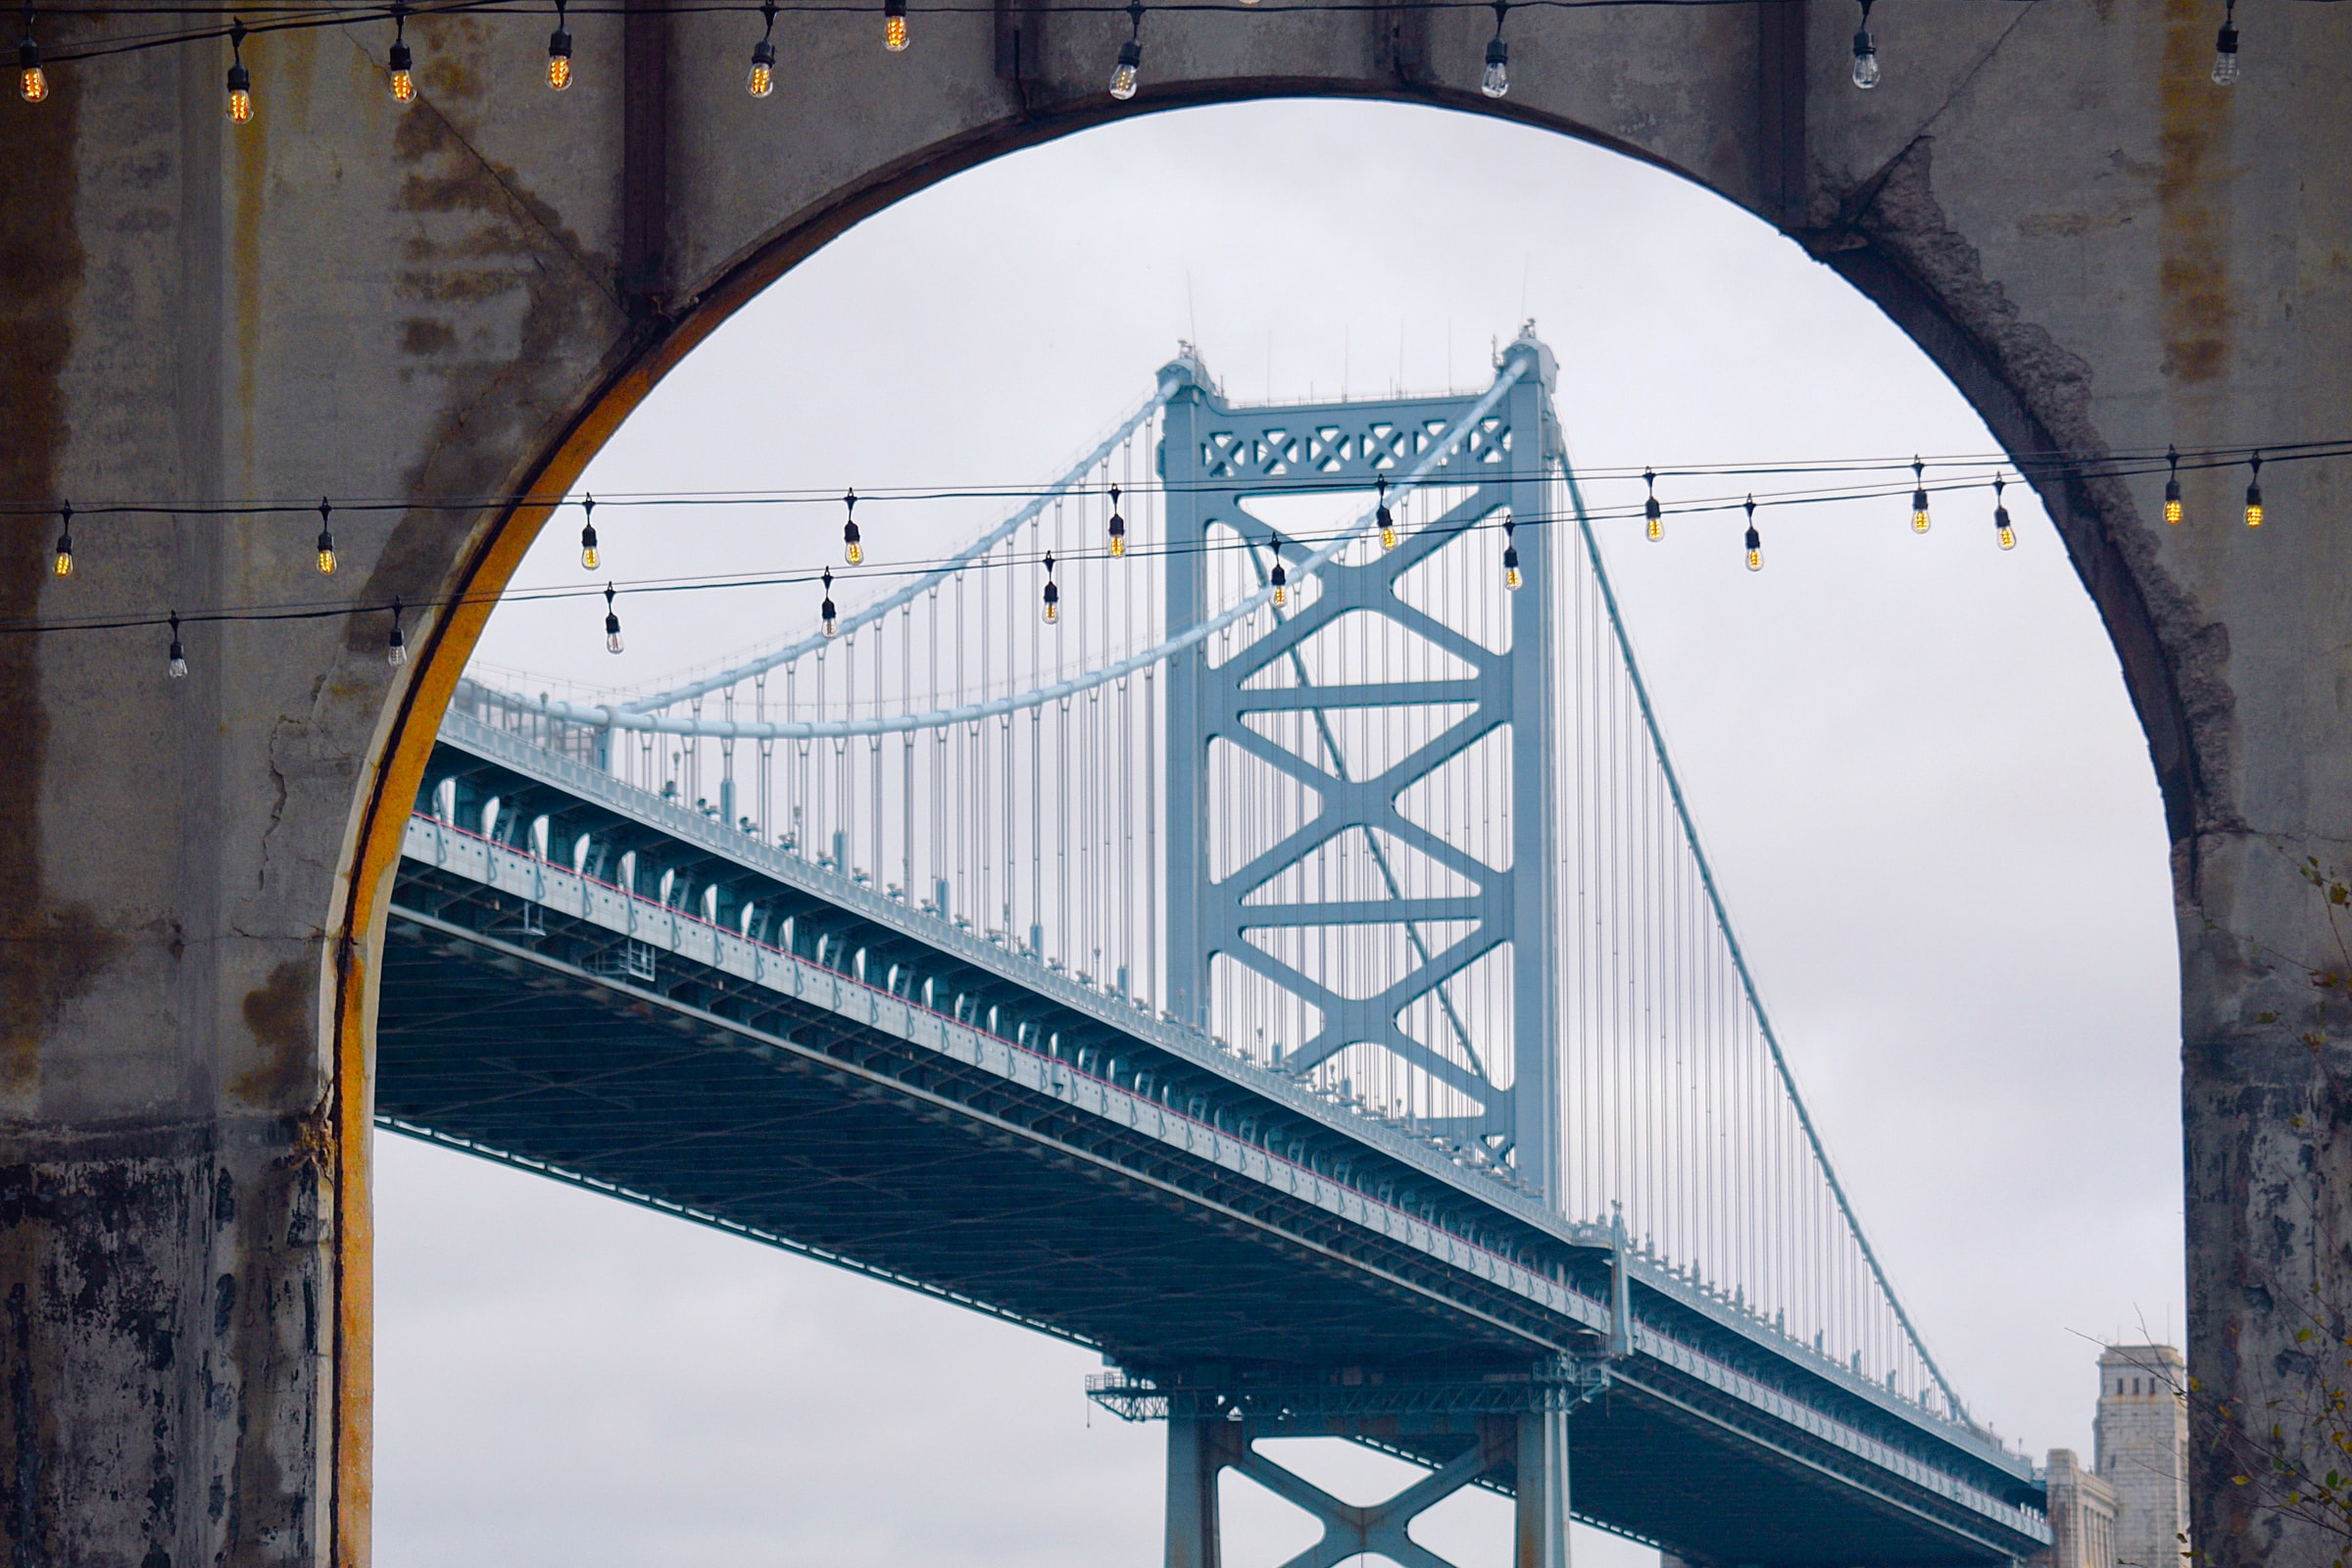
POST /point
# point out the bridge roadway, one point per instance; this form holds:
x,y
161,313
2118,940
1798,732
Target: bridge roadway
x,y
755,1042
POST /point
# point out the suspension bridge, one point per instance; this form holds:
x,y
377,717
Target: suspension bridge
x,y
1292,968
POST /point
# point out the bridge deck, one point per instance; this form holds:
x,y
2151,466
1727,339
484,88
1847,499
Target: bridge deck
x,y
1089,1171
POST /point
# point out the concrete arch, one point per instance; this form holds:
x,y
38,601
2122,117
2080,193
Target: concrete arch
x,y
462,300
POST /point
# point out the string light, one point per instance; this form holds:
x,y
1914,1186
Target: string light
x,y
894,25
1865,54
64,566
1119,525
1755,541
396,646
2254,494
32,82
1919,496
1124,75
762,80
829,617
558,52
1387,519
2224,47
613,642
1654,518
403,77
851,550
588,551
178,670
1279,577
2172,486
1510,554
327,541
240,81
2002,531
1054,594
1498,79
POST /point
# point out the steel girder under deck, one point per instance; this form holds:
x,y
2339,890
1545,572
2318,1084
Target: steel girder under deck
x,y
1091,1172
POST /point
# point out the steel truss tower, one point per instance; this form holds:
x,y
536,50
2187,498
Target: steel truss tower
x,y
1292,695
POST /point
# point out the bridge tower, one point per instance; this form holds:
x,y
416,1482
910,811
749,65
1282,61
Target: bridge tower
x,y
1355,907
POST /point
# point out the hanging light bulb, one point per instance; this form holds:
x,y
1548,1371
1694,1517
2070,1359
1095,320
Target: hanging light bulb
x,y
588,552
1123,77
327,541
240,81
1865,54
1755,541
828,614
894,25
2000,516
1649,509
396,646
2172,486
853,550
1510,556
1119,525
2224,47
558,52
1280,577
64,566
402,77
1919,496
32,82
1498,79
612,642
2254,494
762,80
178,670
1385,518
1052,594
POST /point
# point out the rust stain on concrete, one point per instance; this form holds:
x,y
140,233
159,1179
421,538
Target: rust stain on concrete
x,y
2191,200
46,956
283,1015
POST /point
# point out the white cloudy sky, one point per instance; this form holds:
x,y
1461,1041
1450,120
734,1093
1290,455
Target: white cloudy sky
x,y
1912,759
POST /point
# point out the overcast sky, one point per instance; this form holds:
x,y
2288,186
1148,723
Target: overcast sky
x,y
1911,759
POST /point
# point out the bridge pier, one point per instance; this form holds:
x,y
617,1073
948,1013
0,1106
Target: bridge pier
x,y
1465,1441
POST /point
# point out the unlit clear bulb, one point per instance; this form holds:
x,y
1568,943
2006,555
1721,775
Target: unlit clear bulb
x,y
1866,61
612,642
396,650
178,670
1497,82
2224,55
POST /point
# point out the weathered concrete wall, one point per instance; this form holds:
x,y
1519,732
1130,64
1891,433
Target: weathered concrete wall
x,y
460,298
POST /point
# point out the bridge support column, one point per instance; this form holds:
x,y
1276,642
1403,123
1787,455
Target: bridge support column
x,y
1197,1451
1543,1466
